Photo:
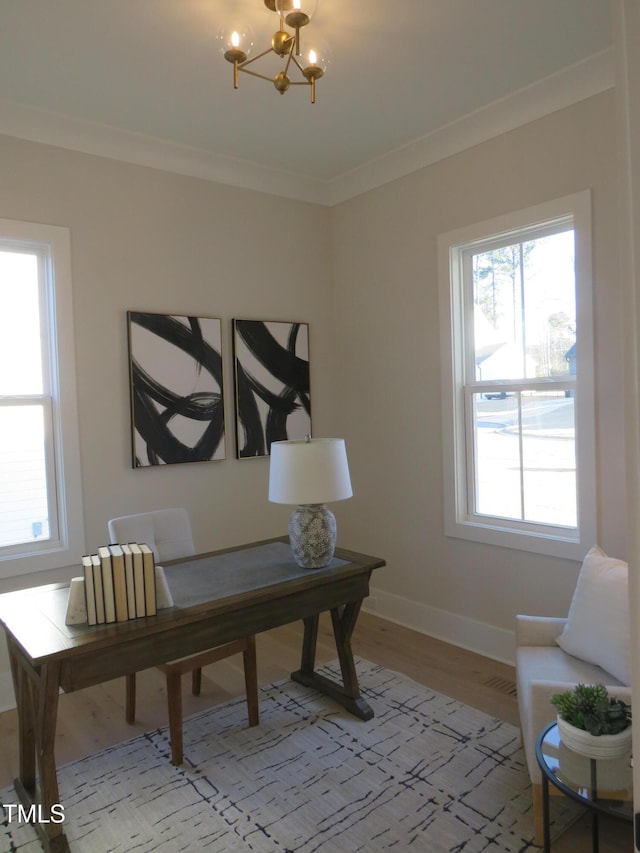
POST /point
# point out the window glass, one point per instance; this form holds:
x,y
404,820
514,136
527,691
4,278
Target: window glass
x,y
525,453
41,519
517,363
20,334
525,308
24,504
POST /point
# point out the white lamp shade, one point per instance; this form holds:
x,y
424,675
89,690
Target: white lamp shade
x,y
309,471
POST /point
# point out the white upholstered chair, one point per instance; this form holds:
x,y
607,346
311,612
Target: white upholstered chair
x,y
168,533
591,646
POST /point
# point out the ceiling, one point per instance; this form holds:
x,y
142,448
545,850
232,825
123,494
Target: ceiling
x,y
120,76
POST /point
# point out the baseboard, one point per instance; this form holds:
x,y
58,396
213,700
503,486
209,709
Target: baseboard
x,y
8,700
487,640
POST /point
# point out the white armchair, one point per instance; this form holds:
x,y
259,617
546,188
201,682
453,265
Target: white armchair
x,y
542,669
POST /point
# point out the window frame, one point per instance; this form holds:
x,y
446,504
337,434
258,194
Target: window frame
x,y
65,545
457,420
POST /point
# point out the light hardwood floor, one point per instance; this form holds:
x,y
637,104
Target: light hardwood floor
x,y
94,718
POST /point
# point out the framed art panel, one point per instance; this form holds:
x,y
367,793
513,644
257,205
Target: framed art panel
x,y
177,401
271,367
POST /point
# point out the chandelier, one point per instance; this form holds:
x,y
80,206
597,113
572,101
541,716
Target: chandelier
x,y
293,16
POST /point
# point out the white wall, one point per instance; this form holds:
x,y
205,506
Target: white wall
x,y
364,275
386,314
149,240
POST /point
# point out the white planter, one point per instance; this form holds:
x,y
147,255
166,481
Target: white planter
x,y
600,746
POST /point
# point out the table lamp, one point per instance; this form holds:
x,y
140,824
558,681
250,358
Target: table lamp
x,y
310,473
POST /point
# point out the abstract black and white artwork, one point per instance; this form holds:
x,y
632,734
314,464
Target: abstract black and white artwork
x,y
177,402
273,402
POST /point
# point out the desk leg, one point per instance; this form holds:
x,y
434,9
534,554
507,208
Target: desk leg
x,y
37,704
26,725
309,643
346,694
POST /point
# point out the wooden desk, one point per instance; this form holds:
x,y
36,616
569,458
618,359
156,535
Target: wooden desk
x,y
218,597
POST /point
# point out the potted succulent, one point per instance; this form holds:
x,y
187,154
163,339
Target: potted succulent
x,y
592,722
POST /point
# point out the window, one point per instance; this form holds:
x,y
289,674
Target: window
x,y
518,380
41,525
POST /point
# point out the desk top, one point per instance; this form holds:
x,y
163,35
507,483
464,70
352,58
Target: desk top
x,y
217,582
195,581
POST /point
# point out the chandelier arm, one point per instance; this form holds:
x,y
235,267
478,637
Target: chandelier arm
x,y
255,74
254,58
297,63
289,58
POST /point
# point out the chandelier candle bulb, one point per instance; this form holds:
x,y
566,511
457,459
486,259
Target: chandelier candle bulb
x,y
291,7
297,19
313,72
233,52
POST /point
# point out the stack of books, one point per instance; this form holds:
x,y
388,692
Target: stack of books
x,y
119,583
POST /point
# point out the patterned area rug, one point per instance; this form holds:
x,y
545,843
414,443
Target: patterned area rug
x,y
426,774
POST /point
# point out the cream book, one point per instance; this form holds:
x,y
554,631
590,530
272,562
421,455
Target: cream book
x,y
119,582
97,588
138,578
149,579
128,575
89,592
107,584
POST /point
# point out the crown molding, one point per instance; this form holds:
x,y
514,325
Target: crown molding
x,y
590,77
558,91
64,131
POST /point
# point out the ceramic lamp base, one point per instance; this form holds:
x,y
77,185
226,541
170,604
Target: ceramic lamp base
x,y
312,534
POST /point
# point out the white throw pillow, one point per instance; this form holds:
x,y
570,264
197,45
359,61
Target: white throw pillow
x,y
598,629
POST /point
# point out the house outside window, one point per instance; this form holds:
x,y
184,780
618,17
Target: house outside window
x,y
518,408
41,524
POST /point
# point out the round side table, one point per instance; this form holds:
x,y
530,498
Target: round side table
x,y
604,785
